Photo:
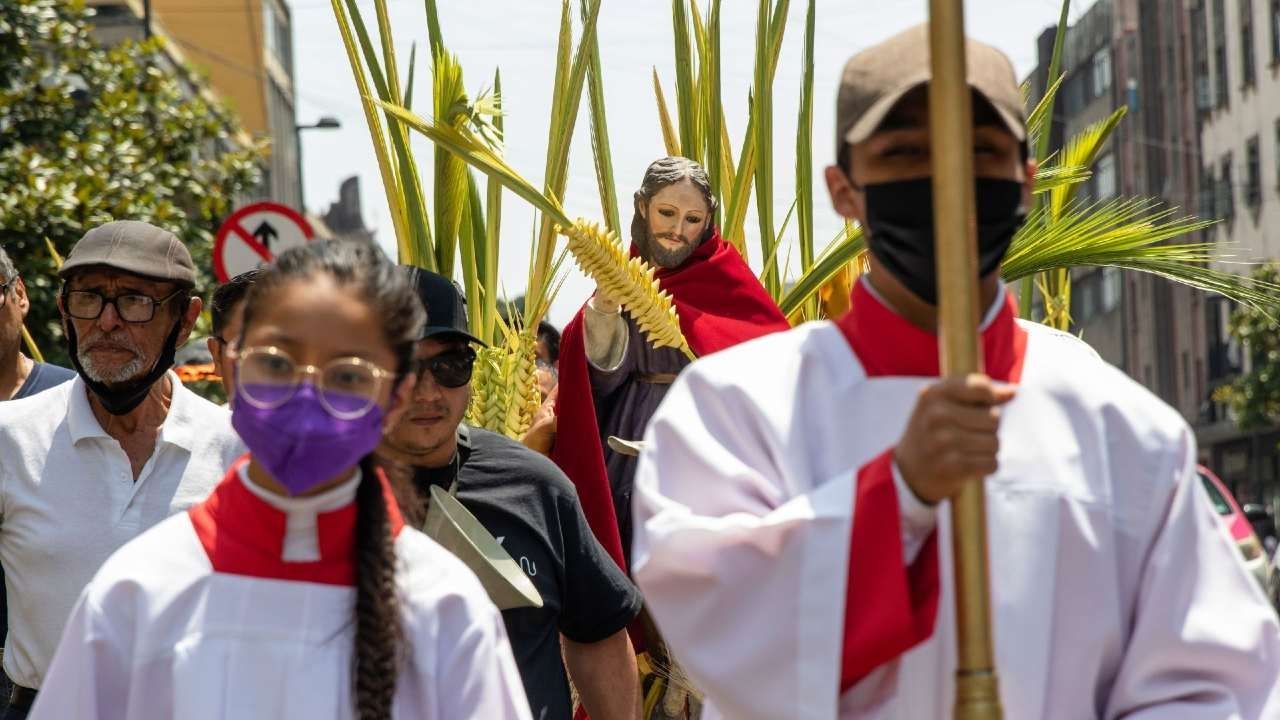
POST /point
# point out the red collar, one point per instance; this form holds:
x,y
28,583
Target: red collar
x,y
243,535
887,345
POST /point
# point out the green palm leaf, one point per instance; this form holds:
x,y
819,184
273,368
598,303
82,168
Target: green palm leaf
x,y
1133,234
847,245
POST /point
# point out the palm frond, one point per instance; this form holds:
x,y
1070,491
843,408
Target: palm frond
x,y
600,150
1044,118
1133,234
712,109
390,183
847,246
762,113
686,93
1052,177
1081,151
464,143
630,281
669,137
804,150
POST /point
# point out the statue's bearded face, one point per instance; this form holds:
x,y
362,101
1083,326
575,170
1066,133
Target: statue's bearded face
x,y
676,218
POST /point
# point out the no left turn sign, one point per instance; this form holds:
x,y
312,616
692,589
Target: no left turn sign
x,y
254,235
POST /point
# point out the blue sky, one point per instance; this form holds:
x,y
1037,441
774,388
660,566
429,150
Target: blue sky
x,y
519,37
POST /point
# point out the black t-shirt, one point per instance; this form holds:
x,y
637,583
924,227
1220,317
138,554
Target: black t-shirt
x,y
532,509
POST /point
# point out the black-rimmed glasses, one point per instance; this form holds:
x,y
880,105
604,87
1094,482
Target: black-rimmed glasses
x,y
131,307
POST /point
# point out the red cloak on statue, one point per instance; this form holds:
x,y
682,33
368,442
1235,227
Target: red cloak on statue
x,y
720,303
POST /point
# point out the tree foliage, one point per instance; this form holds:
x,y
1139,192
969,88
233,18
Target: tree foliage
x,y
137,142
1254,396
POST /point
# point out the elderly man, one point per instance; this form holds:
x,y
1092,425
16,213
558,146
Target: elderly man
x,y
793,535
611,379
87,466
527,503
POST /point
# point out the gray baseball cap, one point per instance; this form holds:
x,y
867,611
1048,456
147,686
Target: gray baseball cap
x,y
875,80
135,247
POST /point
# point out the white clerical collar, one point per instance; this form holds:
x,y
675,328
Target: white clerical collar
x,y
989,317
301,540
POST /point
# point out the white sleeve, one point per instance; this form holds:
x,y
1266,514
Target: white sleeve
x,y
1205,643
89,676
478,674
744,575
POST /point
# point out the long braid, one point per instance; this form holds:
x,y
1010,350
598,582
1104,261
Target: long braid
x,y
379,633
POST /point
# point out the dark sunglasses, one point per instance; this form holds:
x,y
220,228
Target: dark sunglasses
x,y
451,369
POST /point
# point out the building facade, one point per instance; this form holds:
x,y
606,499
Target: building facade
x,y
1236,61
245,50
1176,69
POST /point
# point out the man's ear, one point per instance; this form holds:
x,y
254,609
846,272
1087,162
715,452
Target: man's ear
x,y
20,297
845,200
189,318
215,352
642,207
1029,182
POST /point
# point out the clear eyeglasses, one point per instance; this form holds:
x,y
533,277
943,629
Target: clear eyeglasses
x,y
348,388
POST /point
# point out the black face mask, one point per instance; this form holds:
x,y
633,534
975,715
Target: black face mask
x,y
900,228
122,398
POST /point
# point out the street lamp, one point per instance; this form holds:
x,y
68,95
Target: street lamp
x,y
327,122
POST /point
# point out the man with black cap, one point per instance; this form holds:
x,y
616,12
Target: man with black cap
x,y
88,465
793,536
524,501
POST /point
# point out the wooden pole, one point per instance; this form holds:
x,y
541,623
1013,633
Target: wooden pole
x,y
951,143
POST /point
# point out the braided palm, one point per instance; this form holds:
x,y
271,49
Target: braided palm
x,y
628,280
504,387
379,633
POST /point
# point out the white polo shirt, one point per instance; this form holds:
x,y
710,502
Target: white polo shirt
x,y
68,500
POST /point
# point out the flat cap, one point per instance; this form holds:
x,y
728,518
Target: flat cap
x,y
875,80
135,247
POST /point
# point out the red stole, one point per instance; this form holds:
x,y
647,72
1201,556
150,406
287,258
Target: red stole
x,y
720,303
891,607
243,535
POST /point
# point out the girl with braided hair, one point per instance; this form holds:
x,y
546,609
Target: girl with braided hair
x,y
295,590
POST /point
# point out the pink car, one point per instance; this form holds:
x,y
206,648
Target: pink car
x,y
1241,531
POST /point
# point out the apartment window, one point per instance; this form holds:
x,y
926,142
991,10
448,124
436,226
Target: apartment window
x,y
1209,189
1102,72
1104,177
1225,204
1200,58
277,35
1277,151
1248,71
1222,92
1275,32
1253,174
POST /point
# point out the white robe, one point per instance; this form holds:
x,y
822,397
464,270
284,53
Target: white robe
x,y
160,635
1116,591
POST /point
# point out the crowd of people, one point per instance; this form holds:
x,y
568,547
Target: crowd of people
x,y
761,534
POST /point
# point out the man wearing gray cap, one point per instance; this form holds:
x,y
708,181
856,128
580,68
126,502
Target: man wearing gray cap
x,y
793,536
88,465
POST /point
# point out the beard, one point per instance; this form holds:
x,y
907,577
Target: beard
x,y
113,373
656,254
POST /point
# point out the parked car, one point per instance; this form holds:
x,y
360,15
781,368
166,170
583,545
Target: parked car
x,y
1255,558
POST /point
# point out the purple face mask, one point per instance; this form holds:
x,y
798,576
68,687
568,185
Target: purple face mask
x,y
300,442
